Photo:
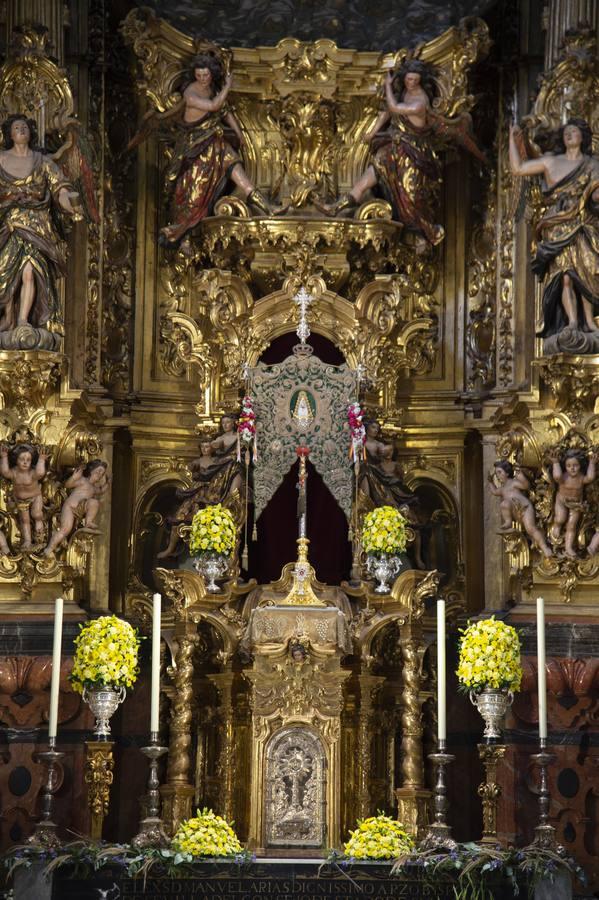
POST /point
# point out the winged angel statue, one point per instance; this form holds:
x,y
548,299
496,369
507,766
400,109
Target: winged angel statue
x,y
204,158
411,131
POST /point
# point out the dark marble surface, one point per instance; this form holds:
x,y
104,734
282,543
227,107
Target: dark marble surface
x,y
379,25
562,639
35,638
283,879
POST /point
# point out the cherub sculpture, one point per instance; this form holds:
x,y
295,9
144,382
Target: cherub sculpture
x,y
203,161
569,498
567,254
407,167
87,486
25,467
510,484
33,189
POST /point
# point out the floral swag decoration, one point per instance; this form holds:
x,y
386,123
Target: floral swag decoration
x,y
357,431
246,428
106,653
213,531
489,657
384,531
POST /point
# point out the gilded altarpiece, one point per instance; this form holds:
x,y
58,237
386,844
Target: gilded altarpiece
x,y
150,348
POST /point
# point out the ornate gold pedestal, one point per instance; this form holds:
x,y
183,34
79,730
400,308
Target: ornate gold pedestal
x,y
490,791
99,775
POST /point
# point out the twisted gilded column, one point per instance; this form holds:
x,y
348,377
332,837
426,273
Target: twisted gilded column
x,y
177,793
369,685
226,760
412,797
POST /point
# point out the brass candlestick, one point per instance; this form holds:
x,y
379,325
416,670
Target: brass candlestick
x,y
45,832
438,836
151,828
490,791
544,832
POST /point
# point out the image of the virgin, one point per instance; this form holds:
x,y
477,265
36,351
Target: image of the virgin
x,y
302,409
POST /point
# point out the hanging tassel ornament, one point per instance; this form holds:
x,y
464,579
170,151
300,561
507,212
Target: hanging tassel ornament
x,y
244,555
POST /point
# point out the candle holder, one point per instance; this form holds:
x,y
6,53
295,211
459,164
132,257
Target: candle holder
x,y
438,836
151,828
45,833
490,791
544,832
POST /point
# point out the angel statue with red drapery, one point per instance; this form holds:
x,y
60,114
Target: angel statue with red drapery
x,y
406,167
203,159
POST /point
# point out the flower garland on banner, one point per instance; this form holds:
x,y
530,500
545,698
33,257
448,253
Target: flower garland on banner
x,y
355,418
246,428
384,531
106,653
246,434
379,837
213,531
489,657
206,834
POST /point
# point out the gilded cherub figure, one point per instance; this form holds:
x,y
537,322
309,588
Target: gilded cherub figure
x,y
87,486
567,254
25,467
569,499
203,161
510,484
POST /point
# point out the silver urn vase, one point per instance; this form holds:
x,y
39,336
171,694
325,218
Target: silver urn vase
x,y
212,566
384,568
492,704
103,702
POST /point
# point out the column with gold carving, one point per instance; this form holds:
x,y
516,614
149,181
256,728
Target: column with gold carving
x,y
226,760
177,793
369,686
412,797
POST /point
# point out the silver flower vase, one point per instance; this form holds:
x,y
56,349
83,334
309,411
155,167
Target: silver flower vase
x,y
492,704
212,566
103,702
385,568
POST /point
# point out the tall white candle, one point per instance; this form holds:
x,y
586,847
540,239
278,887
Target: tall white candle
x,y
155,705
56,658
441,673
541,672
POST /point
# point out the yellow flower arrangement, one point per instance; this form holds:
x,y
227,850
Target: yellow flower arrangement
x,y
379,837
490,656
384,531
106,652
213,531
206,835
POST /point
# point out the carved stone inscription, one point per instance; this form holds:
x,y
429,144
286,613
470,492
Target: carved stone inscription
x,y
295,781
